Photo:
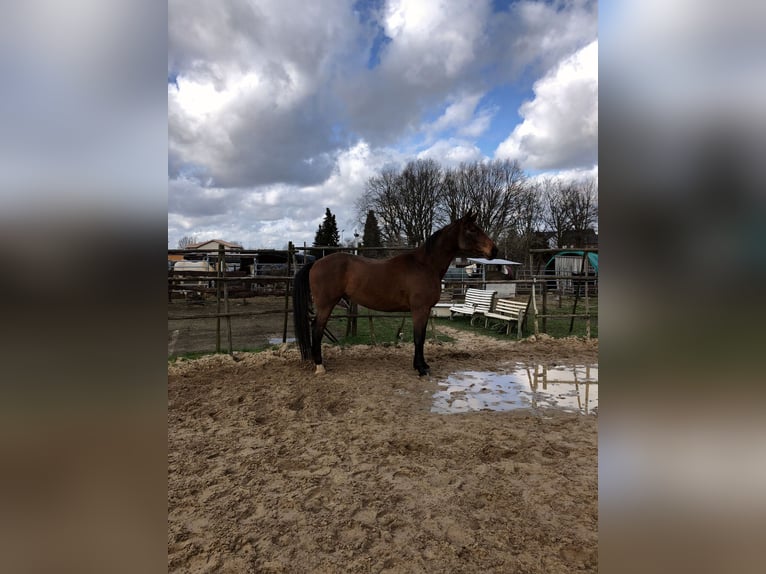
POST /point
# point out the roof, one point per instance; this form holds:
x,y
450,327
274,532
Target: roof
x,y
226,244
492,261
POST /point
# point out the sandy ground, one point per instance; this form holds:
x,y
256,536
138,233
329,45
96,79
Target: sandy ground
x,y
273,469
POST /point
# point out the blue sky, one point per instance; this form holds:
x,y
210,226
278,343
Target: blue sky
x,y
278,109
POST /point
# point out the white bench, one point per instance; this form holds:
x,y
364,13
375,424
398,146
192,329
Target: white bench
x,y
441,309
477,303
507,310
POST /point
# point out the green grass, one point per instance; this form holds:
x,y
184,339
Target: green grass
x,y
386,330
560,327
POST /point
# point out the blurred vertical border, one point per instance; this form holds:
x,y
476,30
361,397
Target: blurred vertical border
x,y
83,195
83,183
682,460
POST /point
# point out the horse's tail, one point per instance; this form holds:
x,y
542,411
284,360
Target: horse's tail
x,y
301,301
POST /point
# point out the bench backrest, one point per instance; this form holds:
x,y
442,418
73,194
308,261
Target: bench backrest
x,y
481,299
510,307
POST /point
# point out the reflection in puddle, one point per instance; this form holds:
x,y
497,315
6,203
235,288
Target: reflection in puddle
x,y
567,388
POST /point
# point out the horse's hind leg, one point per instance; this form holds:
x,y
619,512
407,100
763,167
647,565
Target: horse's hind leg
x,y
320,322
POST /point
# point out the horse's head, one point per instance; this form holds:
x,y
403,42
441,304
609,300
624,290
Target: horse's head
x,y
472,240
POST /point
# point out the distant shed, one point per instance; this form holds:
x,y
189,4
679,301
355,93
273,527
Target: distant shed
x,y
497,270
570,262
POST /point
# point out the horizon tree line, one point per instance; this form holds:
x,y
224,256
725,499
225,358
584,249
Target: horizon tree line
x,y
404,206
517,211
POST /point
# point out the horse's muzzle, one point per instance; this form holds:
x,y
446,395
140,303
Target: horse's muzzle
x,y
493,252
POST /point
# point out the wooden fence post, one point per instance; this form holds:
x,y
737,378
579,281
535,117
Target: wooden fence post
x,y
586,265
228,316
351,324
290,252
577,295
534,303
219,263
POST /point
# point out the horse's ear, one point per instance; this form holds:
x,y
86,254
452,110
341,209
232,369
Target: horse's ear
x,y
470,216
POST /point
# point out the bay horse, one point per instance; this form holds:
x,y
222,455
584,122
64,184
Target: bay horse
x,y
407,282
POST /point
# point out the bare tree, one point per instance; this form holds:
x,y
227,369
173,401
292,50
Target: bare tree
x,y
420,193
410,203
495,190
571,209
520,235
405,202
459,196
380,196
555,208
186,241
527,218
582,209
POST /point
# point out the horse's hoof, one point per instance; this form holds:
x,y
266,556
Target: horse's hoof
x,y
320,370
424,372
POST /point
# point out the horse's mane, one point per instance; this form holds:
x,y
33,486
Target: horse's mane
x,y
430,243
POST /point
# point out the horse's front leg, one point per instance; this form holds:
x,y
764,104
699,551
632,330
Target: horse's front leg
x,y
419,325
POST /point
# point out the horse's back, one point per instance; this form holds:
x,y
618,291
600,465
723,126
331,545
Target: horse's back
x,y
394,284
339,265
344,270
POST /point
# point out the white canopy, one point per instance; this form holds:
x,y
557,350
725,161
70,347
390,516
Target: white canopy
x,y
492,261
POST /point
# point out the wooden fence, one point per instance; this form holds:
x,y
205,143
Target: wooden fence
x,y
220,282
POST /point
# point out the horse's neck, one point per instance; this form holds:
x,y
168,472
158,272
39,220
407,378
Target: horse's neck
x,y
441,254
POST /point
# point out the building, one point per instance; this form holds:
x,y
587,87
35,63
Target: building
x,y
214,245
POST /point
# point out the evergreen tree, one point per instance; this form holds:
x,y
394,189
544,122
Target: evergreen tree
x,y
371,237
327,235
331,228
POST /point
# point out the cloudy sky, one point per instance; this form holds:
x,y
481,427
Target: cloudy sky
x,y
278,109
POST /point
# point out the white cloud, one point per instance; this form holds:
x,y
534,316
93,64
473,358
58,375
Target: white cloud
x,y
253,103
433,39
452,152
270,215
560,127
275,114
569,175
479,124
535,35
462,117
457,114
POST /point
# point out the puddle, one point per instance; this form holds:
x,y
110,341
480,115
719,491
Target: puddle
x,y
567,388
278,340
